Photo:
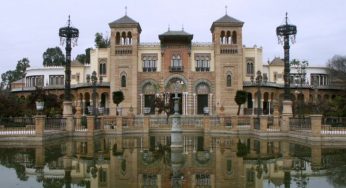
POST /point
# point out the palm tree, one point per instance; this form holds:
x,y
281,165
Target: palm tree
x,y
240,98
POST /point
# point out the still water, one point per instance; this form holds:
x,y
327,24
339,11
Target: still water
x,y
160,161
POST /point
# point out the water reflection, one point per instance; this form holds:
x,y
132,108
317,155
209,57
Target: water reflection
x,y
162,160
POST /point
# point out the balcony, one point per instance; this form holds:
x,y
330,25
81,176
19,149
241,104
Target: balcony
x,y
202,69
149,69
176,68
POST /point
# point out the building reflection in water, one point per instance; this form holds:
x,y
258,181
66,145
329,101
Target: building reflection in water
x,y
184,160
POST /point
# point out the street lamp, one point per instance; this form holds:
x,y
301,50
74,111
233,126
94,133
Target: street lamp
x,y
69,35
286,32
94,81
259,80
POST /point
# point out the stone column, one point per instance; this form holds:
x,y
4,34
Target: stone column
x,y
286,114
194,104
234,122
183,103
40,121
263,123
210,104
146,124
90,125
39,157
141,104
253,107
316,124
119,127
269,104
316,157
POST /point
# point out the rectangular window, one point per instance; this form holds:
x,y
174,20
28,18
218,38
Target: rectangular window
x,y
202,62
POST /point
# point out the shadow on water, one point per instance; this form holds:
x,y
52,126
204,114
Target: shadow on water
x,y
152,161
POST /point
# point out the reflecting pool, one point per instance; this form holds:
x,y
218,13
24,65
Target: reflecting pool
x,y
168,160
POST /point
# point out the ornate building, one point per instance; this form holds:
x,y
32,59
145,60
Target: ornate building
x,y
209,74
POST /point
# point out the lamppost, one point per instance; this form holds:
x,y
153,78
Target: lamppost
x,y
69,35
259,80
301,70
286,32
94,81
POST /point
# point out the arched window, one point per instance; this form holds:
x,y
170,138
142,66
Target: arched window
x,y
129,36
229,80
123,81
117,38
103,68
234,37
228,37
176,64
123,38
222,37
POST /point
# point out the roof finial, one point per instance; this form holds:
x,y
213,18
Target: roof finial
x,y
125,10
286,18
169,27
226,9
69,21
182,27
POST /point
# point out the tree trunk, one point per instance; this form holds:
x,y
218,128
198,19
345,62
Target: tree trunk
x,y
238,110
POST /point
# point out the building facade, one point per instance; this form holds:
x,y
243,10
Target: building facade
x,y
205,76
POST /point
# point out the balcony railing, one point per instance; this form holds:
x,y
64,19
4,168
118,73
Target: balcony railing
x,y
202,69
149,69
176,68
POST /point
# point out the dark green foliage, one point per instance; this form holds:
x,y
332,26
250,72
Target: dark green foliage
x,y
53,57
11,105
118,97
84,58
242,149
336,107
240,98
337,70
13,75
101,41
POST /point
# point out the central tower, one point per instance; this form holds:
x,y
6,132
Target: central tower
x,y
228,51
125,37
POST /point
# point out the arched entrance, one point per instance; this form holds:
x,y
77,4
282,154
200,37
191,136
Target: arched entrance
x,y
202,91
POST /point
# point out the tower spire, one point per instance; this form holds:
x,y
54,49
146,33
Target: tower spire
x,y
226,9
125,10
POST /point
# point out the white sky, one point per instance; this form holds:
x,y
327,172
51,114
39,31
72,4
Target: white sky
x,y
29,27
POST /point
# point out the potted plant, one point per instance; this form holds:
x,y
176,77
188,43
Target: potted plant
x,y
118,97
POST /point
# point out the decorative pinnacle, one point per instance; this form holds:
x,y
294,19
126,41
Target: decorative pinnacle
x,y
69,21
182,27
286,18
125,10
226,9
169,27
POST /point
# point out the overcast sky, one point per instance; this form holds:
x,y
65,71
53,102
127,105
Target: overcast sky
x,y
29,27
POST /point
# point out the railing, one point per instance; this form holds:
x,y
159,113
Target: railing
x,y
334,121
300,123
28,130
257,123
176,68
109,123
214,121
80,124
160,122
17,121
330,130
55,123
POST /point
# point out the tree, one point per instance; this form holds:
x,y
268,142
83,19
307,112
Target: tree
x,y
11,105
337,70
118,97
300,66
13,75
53,57
240,98
101,41
84,58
